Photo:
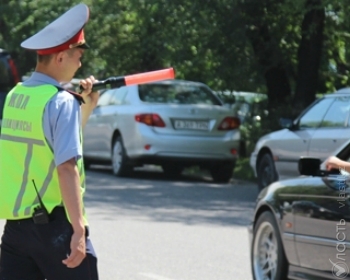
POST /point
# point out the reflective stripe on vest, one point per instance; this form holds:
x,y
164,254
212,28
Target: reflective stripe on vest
x,y
22,139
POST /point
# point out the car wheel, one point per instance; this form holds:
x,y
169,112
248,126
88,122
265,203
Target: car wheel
x,y
172,170
266,171
222,173
268,260
119,159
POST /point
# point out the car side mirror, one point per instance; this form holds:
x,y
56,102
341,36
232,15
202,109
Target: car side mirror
x,y
286,123
309,166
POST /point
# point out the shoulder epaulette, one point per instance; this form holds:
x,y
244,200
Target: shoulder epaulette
x,y
76,95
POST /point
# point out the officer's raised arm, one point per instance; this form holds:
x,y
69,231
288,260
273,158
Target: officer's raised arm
x,y
90,98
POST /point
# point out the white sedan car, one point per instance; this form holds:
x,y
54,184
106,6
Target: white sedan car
x,y
319,130
171,123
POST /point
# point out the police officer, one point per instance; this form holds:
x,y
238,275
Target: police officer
x,y
42,180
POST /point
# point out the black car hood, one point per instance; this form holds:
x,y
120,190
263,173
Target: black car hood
x,y
288,186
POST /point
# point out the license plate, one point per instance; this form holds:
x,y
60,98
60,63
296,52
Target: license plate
x,y
193,125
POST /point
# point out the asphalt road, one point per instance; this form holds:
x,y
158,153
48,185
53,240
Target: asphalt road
x,y
150,228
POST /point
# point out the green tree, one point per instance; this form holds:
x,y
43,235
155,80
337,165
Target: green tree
x,y
289,49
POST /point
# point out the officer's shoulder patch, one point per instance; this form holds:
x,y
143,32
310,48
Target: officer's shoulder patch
x,y
76,95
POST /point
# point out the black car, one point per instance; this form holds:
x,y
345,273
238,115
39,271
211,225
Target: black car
x,y
9,76
301,226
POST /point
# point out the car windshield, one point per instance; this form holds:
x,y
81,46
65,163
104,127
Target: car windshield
x,y
177,94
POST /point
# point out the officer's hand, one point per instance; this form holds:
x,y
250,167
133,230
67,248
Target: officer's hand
x,y
90,97
78,250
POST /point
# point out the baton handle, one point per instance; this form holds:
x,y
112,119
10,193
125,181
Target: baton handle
x,y
135,79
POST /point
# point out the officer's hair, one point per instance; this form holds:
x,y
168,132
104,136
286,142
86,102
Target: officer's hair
x,y
45,59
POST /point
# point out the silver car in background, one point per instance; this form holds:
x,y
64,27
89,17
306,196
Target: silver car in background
x,y
174,124
318,131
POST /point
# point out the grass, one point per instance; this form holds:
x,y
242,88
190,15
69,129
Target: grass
x,y
243,170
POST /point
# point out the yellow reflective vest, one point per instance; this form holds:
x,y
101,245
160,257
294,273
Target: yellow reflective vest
x,y
26,156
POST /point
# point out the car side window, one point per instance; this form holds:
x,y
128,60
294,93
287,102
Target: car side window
x,y
314,116
338,113
105,98
118,96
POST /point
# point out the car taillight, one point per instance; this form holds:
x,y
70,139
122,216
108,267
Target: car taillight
x,y
14,72
150,119
229,123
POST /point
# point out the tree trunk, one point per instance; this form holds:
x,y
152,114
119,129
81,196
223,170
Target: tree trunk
x,y
309,54
275,74
267,53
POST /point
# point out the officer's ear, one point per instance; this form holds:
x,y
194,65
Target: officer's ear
x,y
59,57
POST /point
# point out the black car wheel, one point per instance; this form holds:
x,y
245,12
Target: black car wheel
x,y
266,171
222,173
267,254
120,166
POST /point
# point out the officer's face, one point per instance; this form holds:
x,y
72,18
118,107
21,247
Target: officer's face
x,y
71,62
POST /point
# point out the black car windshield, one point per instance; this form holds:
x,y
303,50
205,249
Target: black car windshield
x,y
177,94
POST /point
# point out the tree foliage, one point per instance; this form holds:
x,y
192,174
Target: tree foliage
x,y
288,49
